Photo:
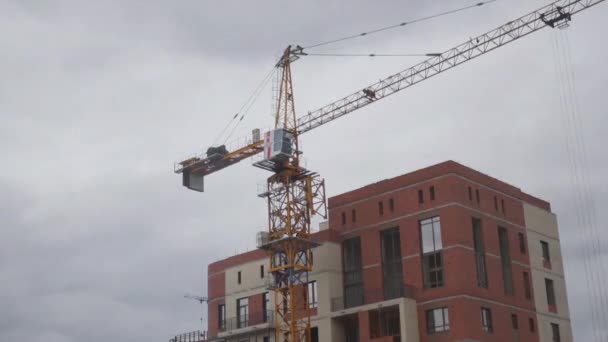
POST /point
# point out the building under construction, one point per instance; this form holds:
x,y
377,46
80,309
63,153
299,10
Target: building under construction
x,y
445,253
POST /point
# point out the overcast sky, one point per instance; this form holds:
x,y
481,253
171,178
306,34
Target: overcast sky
x,y
99,241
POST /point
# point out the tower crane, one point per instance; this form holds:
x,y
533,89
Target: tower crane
x,y
295,194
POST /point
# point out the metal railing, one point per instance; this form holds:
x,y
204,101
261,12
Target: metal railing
x,y
246,321
369,296
193,336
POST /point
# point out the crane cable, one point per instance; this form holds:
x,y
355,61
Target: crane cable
x,y
378,30
244,109
584,205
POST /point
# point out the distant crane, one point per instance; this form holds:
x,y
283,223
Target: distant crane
x,y
295,194
201,300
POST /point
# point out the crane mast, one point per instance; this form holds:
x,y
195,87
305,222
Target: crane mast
x,y
294,195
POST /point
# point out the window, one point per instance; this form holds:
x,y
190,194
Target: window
x,y
238,276
262,271
477,196
390,250
265,305
531,324
381,208
480,257
313,301
314,334
391,205
470,194
502,204
420,197
522,243
221,316
514,322
555,332
550,291
495,203
432,193
353,215
507,275
527,291
432,264
384,322
352,277
545,246
343,218
266,339
437,320
242,309
486,320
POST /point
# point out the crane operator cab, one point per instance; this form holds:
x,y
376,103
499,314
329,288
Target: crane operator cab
x,y
278,145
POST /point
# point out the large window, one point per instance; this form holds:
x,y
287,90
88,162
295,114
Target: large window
x,y
432,263
486,320
221,316
313,300
505,259
353,280
480,254
437,320
392,275
242,309
384,322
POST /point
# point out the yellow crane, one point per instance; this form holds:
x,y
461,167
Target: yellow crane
x,y
295,195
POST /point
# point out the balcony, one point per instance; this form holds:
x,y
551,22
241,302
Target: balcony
x,y
193,336
245,321
370,296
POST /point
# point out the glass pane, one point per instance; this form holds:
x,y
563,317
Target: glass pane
x,y
446,318
438,317
437,235
427,238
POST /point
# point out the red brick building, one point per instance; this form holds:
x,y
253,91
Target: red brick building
x,y
444,253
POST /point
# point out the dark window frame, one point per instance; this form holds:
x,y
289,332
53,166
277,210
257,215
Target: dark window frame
x,y
505,259
555,332
522,242
432,193
343,218
486,320
496,203
238,277
262,272
432,327
391,205
312,288
531,325
381,208
477,196
544,245
353,215
479,250
550,289
514,322
221,316
420,197
470,194
265,304
527,289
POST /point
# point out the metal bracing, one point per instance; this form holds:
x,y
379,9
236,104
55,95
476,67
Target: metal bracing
x,y
294,195
556,14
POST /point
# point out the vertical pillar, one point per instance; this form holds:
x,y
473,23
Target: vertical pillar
x,y
363,326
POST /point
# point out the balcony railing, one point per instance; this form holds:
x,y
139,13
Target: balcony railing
x,y
247,320
371,296
193,336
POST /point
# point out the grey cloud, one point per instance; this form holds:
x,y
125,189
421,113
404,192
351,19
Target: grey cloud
x,y
98,241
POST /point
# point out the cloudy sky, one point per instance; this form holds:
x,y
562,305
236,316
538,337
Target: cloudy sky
x,y
99,241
